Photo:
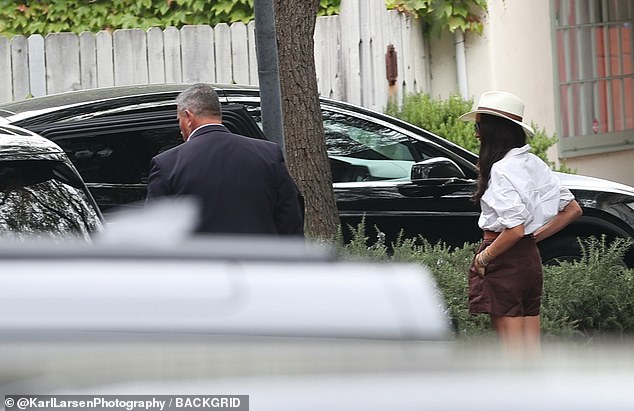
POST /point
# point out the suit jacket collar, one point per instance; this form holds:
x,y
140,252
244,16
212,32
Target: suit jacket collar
x,y
207,128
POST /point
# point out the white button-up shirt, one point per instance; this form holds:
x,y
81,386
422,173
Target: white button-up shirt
x,y
522,190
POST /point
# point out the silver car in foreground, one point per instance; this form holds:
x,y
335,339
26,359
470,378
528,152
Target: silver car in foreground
x,y
285,322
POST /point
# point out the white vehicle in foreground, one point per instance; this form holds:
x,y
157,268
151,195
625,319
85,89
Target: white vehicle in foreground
x,y
281,321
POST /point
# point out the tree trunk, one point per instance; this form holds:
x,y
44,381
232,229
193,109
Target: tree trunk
x,y
303,128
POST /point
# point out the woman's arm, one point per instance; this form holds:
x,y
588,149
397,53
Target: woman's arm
x,y
507,239
571,212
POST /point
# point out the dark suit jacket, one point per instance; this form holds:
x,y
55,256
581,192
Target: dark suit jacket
x,y
242,183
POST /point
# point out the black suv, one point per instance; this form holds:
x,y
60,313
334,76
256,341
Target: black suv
x,y
41,193
396,175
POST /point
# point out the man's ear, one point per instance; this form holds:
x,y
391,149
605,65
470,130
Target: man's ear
x,y
190,118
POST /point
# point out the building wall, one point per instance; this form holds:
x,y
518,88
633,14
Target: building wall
x,y
515,53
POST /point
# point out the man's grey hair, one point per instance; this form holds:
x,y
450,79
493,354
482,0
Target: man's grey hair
x,y
201,99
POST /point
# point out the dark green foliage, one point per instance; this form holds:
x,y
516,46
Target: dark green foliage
x,y
357,247
441,117
594,296
438,15
28,17
52,16
449,267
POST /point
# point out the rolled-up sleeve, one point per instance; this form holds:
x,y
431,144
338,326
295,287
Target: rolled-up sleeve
x,y
505,199
565,197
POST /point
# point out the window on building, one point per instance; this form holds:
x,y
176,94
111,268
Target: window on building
x,y
595,71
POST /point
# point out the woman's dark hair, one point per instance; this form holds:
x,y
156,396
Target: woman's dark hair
x,y
497,136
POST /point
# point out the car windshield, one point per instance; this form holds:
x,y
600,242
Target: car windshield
x,y
35,202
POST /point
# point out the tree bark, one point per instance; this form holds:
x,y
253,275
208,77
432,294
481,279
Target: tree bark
x,y
303,128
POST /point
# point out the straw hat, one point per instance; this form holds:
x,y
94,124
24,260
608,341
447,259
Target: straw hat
x,y
501,104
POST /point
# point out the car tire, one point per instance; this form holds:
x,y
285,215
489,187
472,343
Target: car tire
x,y
559,249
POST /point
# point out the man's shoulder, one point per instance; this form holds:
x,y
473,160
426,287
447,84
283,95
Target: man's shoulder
x,y
255,142
168,154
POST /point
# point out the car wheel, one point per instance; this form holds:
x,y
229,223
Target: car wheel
x,y
559,249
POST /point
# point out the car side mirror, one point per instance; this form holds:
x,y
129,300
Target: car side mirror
x,y
435,177
435,168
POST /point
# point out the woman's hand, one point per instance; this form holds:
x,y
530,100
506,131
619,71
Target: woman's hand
x,y
482,259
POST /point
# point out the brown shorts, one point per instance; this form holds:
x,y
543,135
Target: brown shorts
x,y
512,284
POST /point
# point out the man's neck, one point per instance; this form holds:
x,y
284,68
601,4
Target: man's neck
x,y
203,125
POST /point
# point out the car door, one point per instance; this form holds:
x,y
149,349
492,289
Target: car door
x,y
371,162
113,153
385,197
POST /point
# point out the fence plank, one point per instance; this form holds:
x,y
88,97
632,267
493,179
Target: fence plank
x,y
349,57
373,80
105,62
6,82
349,22
416,75
321,57
155,56
222,43
20,67
198,54
239,53
327,56
62,62
130,57
37,67
422,64
253,61
88,60
398,34
172,45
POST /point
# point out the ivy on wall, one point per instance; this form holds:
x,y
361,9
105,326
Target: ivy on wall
x,y
53,16
28,17
438,15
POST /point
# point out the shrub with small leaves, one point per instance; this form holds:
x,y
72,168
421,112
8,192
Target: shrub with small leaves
x,y
595,294
442,117
590,297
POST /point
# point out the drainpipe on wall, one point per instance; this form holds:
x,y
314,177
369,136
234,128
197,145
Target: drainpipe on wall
x,y
461,65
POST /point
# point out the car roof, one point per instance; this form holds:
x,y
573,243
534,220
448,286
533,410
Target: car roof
x,y
51,108
107,93
20,144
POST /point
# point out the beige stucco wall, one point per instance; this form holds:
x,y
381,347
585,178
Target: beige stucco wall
x,y
616,166
515,54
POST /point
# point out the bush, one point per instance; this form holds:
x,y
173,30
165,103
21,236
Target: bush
x,y
591,297
596,294
441,117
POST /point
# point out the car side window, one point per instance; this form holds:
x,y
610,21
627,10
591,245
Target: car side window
x,y
120,158
34,203
361,150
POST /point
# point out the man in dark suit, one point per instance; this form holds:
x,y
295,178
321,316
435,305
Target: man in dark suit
x,y
242,183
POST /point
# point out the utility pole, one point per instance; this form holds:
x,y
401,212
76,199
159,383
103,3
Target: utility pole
x,y
268,72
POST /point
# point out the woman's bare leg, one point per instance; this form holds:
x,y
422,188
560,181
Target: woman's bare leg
x,y
518,334
532,334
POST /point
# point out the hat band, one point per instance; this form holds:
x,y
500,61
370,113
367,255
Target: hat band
x,y
509,115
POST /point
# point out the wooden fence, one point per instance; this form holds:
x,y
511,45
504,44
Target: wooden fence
x,y
350,57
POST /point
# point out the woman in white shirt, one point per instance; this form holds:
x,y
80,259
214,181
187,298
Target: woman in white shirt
x,y
522,202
